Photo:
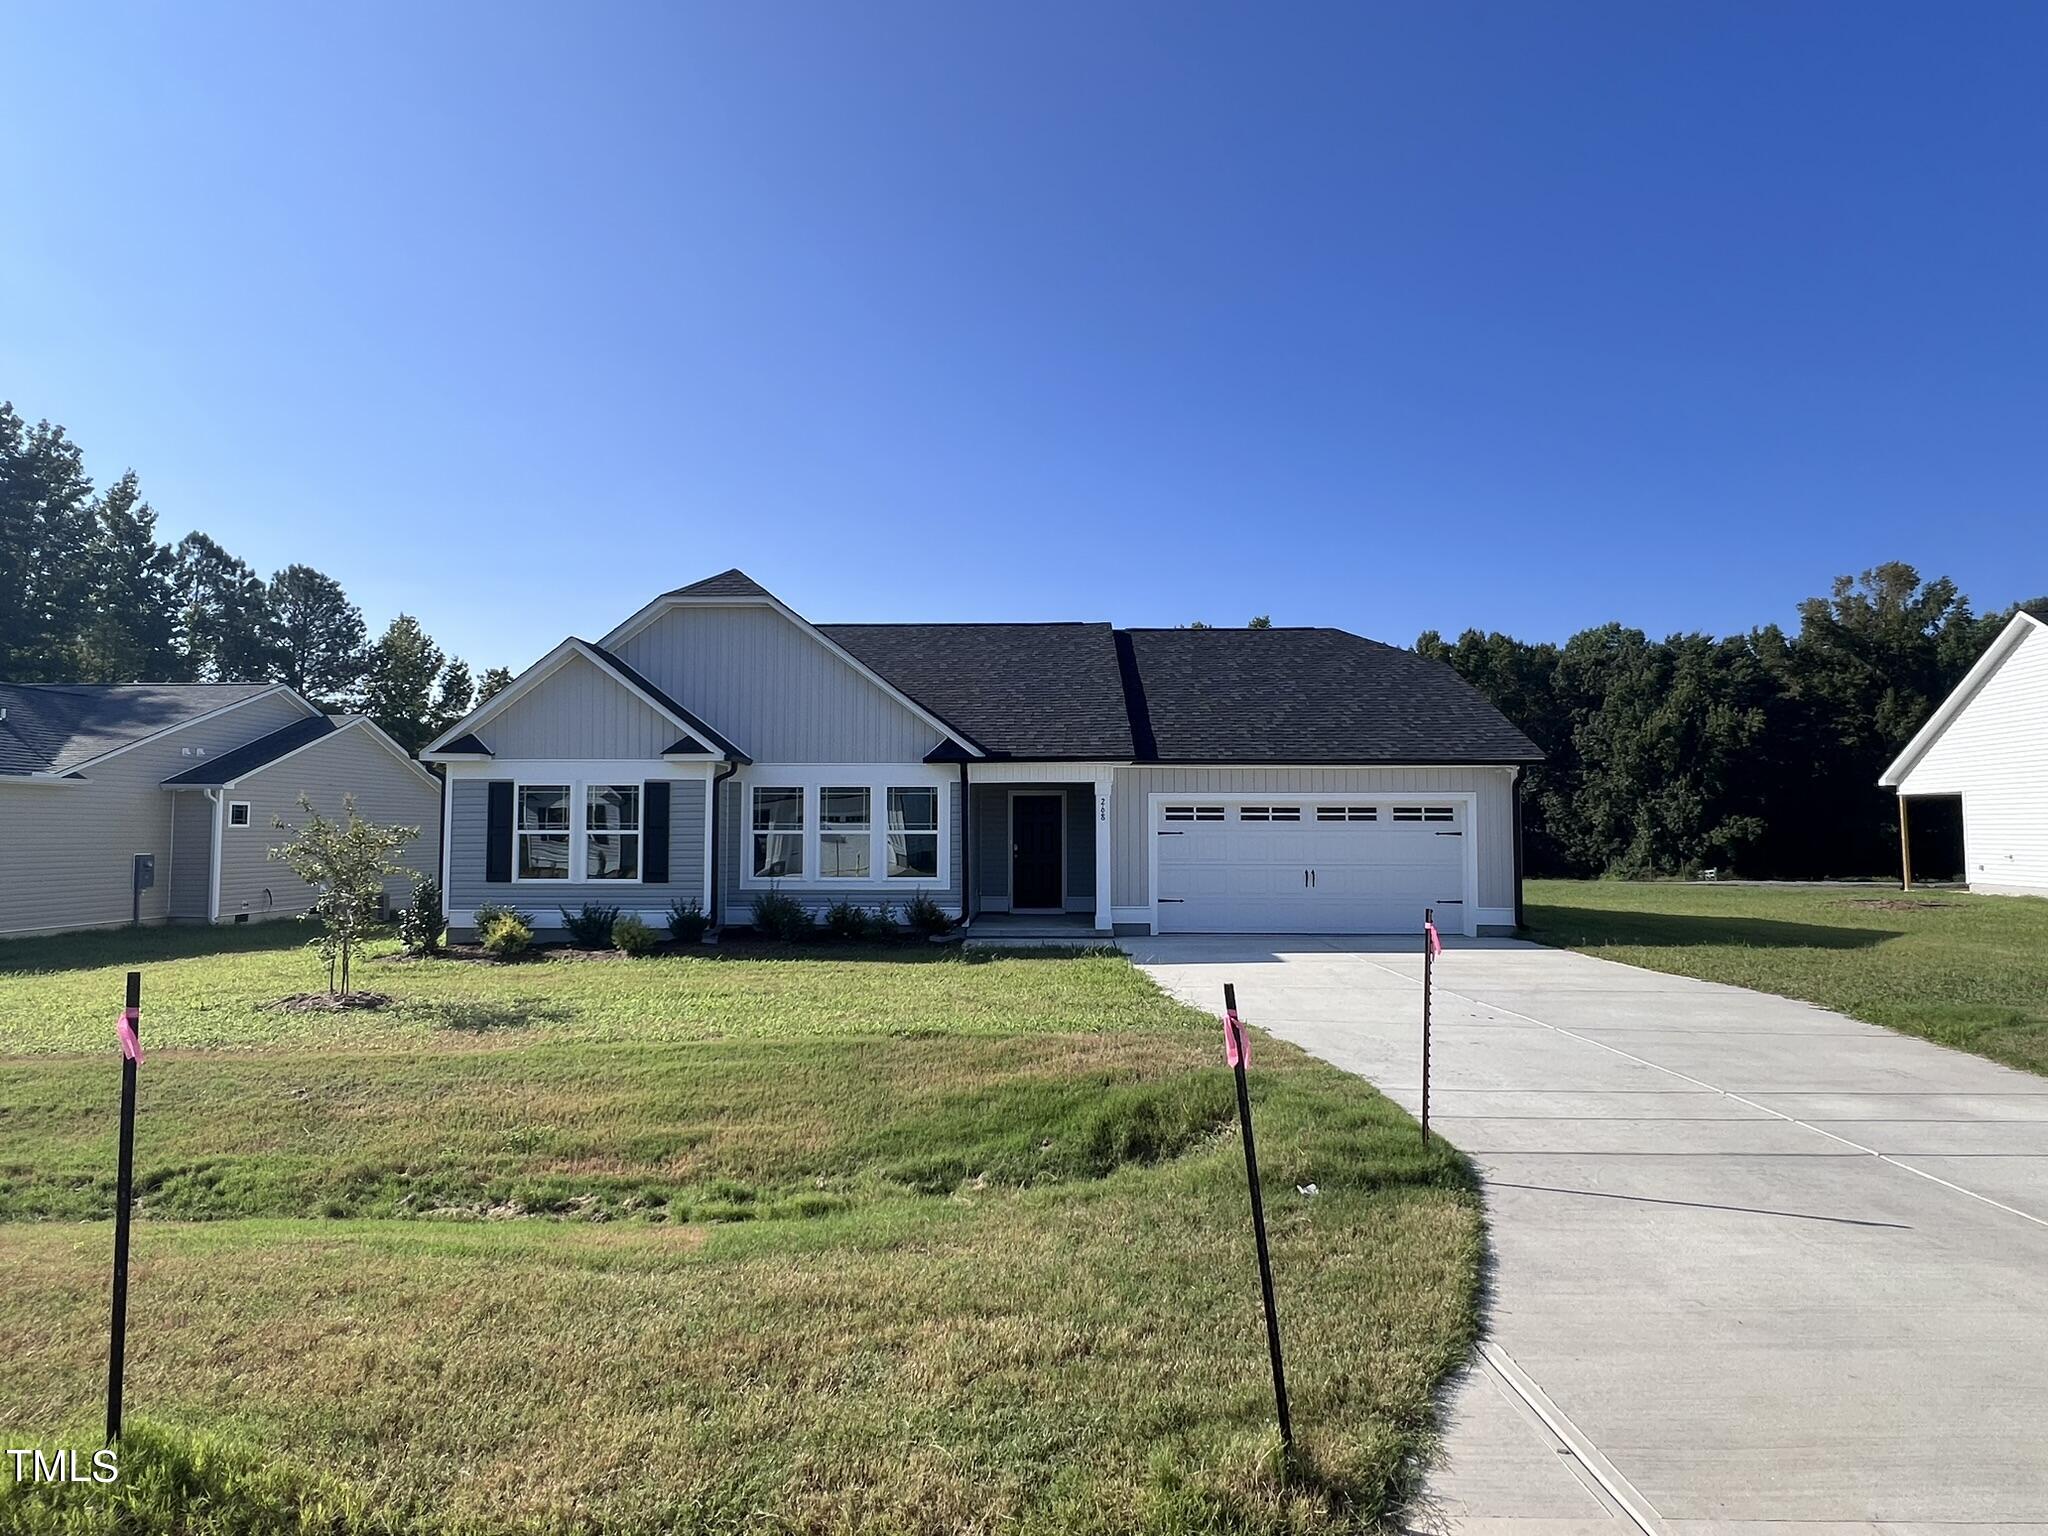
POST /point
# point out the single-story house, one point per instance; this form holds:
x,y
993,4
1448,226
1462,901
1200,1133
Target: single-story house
x,y
155,802
717,746
1988,745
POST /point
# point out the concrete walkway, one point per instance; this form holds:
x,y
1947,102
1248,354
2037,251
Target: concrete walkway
x,y
1759,1268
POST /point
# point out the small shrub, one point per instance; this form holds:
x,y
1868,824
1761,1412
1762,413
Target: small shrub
x,y
591,926
847,922
634,936
420,924
506,936
925,917
485,911
882,923
687,922
777,916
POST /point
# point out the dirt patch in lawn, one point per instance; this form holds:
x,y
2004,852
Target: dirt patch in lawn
x,y
1894,904
327,1002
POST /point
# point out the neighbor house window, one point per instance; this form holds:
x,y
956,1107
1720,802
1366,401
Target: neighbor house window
x,y
238,813
778,834
611,832
845,833
542,837
914,834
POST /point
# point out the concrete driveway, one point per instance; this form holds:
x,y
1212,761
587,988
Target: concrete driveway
x,y
1758,1268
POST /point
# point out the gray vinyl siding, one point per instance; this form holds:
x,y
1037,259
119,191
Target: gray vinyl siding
x,y
1493,820
469,829
349,762
735,904
191,855
580,710
66,850
992,844
773,689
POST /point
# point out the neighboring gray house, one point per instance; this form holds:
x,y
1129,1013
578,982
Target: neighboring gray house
x,y
188,780
1055,777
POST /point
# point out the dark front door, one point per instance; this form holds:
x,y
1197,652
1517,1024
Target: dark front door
x,y
1035,851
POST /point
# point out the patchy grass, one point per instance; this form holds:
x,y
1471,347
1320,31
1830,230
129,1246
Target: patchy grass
x,y
1967,971
918,1244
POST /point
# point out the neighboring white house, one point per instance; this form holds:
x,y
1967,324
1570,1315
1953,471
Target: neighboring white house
x,y
1988,745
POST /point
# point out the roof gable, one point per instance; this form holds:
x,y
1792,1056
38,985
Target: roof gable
x,y
2024,626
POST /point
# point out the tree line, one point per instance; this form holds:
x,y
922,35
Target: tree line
x,y
88,594
1756,754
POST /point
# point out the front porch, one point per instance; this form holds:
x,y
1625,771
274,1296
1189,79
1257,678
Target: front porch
x,y
1038,846
1010,930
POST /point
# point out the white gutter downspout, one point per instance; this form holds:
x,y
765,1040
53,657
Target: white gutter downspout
x,y
216,798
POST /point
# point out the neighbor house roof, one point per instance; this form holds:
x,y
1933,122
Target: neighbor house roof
x,y
241,761
2002,645
1018,690
1304,696
54,728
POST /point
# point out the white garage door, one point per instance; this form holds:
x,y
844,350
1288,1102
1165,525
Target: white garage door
x,y
1362,865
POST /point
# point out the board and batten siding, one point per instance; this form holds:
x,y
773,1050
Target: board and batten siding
x,y
67,850
773,689
469,835
254,886
580,710
736,902
192,836
1994,754
1493,821
992,845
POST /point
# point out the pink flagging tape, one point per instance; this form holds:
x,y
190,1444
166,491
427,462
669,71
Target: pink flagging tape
x,y
131,1043
1237,1050
1436,945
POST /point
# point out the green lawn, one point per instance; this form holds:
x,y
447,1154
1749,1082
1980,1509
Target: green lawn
x,y
1967,971
893,1240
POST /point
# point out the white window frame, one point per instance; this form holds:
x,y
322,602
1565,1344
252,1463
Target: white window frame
x,y
807,796
579,846
243,807
936,832
519,789
877,779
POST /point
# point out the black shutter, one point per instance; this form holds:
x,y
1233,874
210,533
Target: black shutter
x,y
654,839
498,835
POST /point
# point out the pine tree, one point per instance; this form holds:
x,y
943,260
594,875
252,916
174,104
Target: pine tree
x,y
320,635
225,623
46,528
494,680
411,685
130,624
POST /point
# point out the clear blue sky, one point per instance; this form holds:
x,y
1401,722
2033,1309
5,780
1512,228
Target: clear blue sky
x,y
1377,315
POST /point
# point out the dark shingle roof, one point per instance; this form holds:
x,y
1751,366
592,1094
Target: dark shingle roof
x,y
1014,690
54,727
1306,696
468,743
639,680
246,759
732,583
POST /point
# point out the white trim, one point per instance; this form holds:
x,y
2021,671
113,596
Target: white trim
x,y
243,807
1105,822
663,604
710,853
578,831
1469,825
447,831
1026,772
212,714
2007,641
539,673
879,778
1010,811
220,816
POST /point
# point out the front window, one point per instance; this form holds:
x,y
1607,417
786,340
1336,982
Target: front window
x,y
914,834
543,832
845,833
778,834
611,827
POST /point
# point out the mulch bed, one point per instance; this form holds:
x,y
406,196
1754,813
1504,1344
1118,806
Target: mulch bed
x,y
323,1002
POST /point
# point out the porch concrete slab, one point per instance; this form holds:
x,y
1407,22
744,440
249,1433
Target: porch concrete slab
x,y
1772,1268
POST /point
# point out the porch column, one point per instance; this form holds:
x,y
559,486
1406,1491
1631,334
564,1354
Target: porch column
x,y
1103,784
1905,848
